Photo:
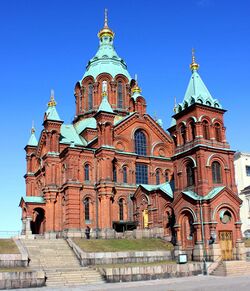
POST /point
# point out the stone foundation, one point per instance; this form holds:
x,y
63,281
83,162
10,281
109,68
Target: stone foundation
x,y
12,280
87,258
126,274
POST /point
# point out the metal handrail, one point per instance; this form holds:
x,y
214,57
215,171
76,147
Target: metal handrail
x,y
9,233
214,264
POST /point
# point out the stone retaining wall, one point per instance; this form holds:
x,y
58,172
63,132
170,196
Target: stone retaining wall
x,y
11,280
15,260
87,258
126,274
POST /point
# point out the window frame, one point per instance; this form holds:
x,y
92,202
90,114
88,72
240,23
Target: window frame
x,y
141,173
216,172
140,142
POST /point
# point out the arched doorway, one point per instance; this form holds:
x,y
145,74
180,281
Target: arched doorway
x,y
187,231
168,225
38,219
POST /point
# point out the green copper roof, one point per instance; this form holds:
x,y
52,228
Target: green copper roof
x,y
32,140
52,114
197,92
69,135
210,195
33,199
167,188
105,106
106,60
85,123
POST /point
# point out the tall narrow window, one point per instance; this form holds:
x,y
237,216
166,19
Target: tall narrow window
x,y
216,172
86,209
193,132
183,134
141,173
157,177
140,143
90,95
86,172
205,129
125,175
119,95
190,174
114,172
121,209
166,176
217,129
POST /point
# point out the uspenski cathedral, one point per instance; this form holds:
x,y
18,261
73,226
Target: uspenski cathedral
x,y
116,170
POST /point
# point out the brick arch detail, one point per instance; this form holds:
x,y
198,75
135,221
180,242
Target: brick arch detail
x,y
224,205
188,209
216,157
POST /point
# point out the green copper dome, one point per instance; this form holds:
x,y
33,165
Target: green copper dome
x,y
106,59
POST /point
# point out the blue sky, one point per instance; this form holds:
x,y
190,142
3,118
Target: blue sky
x,y
47,44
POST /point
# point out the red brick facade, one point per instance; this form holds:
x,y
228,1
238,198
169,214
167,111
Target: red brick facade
x,y
87,173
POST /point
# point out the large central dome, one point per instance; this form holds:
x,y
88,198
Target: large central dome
x,y
106,59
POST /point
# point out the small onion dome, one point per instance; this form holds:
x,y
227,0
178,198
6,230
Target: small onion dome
x,y
194,66
106,31
52,101
136,89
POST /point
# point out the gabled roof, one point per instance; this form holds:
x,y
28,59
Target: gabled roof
x,y
85,123
215,191
167,188
69,135
33,199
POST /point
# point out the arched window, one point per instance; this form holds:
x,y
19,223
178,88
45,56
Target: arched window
x,y
121,209
190,174
216,172
183,134
140,143
193,131
166,176
217,129
86,172
86,209
90,95
125,175
157,177
205,129
119,95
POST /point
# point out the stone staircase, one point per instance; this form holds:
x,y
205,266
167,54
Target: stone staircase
x,y
60,264
232,268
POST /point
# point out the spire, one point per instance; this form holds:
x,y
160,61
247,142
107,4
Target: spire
x,y
51,112
106,31
197,91
32,140
175,105
105,105
194,66
136,88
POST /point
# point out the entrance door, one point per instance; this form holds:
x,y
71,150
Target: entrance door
x,y
226,245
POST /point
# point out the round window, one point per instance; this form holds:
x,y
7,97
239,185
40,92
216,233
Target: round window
x,y
225,216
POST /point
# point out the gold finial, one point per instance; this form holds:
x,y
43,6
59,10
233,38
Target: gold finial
x,y
194,66
136,88
106,31
52,101
33,128
175,105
